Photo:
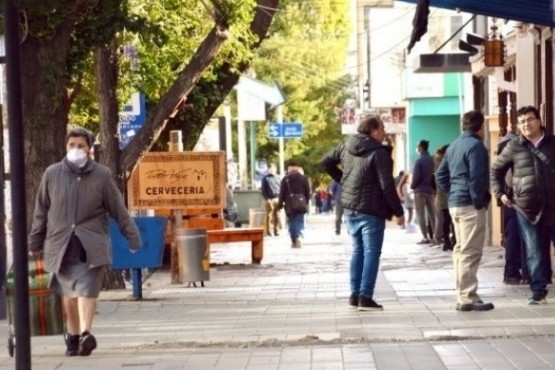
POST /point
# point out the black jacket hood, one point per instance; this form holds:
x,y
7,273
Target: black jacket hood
x,y
360,145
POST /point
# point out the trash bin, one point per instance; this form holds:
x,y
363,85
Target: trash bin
x,y
257,217
194,255
150,254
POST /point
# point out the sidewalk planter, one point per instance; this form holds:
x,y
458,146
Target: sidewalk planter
x,y
194,255
150,254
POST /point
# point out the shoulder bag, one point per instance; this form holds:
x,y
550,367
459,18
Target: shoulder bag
x,y
298,201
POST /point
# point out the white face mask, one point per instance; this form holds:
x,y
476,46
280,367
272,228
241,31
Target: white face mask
x,y
77,156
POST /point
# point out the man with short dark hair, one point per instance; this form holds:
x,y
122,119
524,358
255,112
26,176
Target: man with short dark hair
x,y
463,174
70,229
422,185
364,168
531,156
270,192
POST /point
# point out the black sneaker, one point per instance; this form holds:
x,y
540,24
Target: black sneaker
x,y
72,344
353,301
368,304
87,343
476,306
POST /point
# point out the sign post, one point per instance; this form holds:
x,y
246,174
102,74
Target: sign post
x,y
251,96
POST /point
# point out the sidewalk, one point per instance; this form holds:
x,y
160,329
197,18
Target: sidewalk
x,y
291,312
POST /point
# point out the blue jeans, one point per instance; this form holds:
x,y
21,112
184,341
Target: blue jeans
x,y
367,233
296,225
536,239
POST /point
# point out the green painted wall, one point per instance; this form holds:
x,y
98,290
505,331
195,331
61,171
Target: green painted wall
x,y
452,84
434,107
438,130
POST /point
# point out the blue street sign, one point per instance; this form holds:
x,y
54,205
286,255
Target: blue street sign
x,y
131,118
274,130
292,130
286,130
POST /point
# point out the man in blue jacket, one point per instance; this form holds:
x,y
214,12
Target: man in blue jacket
x,y
463,175
423,187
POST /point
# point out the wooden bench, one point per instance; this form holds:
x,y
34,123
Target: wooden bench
x,y
254,235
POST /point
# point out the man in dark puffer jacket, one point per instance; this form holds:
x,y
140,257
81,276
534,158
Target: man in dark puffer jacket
x,y
533,186
368,199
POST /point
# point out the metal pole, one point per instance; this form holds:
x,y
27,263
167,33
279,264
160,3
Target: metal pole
x,y
17,165
228,148
279,116
3,246
251,136
368,54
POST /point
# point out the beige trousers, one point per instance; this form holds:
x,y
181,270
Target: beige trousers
x,y
273,221
470,231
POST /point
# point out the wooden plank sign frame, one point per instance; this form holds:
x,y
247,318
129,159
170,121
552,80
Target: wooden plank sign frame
x,y
178,180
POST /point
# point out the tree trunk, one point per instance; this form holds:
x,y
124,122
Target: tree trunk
x,y
157,119
45,105
192,121
106,73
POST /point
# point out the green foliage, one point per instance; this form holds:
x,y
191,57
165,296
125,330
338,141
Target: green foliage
x,y
180,27
305,54
165,34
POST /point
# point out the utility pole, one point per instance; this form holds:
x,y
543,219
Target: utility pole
x,y
368,55
17,171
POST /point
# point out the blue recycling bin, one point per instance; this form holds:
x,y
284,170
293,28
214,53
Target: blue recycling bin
x,y
153,230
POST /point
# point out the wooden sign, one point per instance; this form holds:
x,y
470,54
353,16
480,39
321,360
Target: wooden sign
x,y
178,180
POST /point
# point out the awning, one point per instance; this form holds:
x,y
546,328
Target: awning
x,y
539,12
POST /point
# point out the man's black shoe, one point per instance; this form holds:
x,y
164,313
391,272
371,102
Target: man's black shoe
x,y
368,304
353,301
424,241
510,280
476,306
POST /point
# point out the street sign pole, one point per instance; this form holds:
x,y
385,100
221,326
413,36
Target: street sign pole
x,y
279,116
252,150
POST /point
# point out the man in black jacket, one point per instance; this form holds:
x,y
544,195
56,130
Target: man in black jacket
x,y
531,157
294,183
369,198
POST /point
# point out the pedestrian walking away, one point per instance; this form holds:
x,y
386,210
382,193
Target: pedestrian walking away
x,y
292,185
463,175
531,156
336,193
270,192
407,199
363,166
70,231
